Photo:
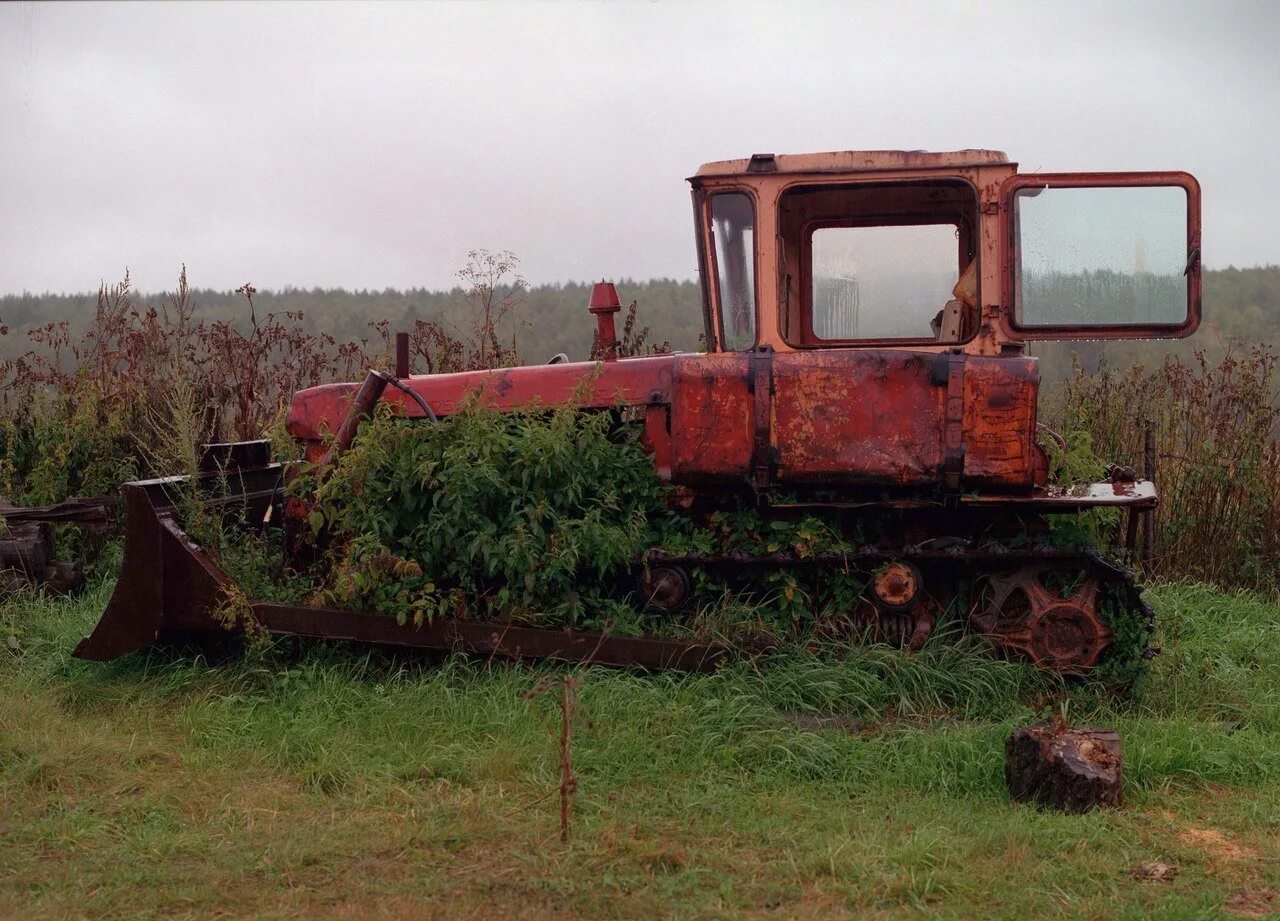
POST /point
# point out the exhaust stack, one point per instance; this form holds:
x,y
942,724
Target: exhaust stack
x,y
604,304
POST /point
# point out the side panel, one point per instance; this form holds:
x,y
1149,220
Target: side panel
x,y
711,418
879,417
857,416
1000,420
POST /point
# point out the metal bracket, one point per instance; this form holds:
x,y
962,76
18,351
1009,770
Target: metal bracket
x,y
953,447
760,386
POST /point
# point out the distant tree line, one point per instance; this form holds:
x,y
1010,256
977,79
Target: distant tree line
x,y
1240,304
553,318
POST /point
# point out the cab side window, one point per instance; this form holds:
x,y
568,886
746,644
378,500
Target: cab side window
x,y
733,229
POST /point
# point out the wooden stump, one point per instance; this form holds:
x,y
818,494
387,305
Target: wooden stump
x,y
1073,770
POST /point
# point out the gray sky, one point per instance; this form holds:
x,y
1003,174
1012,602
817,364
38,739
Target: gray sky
x,y
372,145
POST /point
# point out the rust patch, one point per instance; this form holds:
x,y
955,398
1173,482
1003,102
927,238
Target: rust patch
x,y
1000,420
857,416
711,418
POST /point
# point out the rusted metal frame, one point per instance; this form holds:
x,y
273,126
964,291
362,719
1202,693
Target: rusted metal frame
x,y
712,259
78,511
808,339
362,404
403,367
700,230
1150,462
221,456
1010,262
868,162
216,489
760,387
489,638
133,615
1131,530
316,413
961,551
1043,504
1138,494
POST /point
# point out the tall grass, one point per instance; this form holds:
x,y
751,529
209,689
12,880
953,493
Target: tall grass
x,y
142,387
1216,428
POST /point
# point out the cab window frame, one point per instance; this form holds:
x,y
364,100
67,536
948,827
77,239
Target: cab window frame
x,y
968,240
1068,332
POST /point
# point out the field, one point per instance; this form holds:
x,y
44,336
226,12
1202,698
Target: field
x,y
329,781
332,782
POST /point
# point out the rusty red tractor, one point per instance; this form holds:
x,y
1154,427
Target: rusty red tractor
x,y
867,316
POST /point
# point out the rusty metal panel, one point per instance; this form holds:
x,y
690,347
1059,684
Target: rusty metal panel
x,y
857,416
657,439
319,411
711,418
1000,420
492,638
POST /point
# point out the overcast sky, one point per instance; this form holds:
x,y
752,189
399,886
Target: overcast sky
x,y
372,145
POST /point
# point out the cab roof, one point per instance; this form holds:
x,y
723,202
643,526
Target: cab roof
x,y
852,161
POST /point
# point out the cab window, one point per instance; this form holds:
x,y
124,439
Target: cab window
x,y
733,232
880,282
879,263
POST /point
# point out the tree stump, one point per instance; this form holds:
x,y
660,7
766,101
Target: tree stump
x,y
1072,770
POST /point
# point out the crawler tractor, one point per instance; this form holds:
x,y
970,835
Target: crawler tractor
x,y
867,317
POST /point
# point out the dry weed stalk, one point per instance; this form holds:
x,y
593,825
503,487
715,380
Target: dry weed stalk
x,y
567,703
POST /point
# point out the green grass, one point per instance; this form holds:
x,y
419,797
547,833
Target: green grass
x,y
339,782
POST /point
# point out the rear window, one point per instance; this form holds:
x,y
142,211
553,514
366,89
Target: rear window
x,y
881,282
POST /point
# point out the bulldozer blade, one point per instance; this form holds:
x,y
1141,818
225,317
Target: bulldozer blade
x,y
169,586
134,613
167,583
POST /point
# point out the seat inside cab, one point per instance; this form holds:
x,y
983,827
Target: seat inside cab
x,y
875,264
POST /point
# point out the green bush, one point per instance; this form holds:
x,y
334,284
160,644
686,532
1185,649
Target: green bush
x,y
486,513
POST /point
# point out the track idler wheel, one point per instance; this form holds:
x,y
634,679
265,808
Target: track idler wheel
x,y
898,612
666,587
896,586
1054,629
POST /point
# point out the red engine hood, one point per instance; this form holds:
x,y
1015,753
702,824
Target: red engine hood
x,y
318,411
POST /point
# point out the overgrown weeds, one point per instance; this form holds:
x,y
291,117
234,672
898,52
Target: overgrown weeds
x,y
484,513
1216,429
144,386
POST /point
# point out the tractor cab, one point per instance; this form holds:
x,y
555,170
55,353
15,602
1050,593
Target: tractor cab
x,y
933,251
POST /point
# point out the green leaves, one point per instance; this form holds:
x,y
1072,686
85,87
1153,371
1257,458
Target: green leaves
x,y
526,515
